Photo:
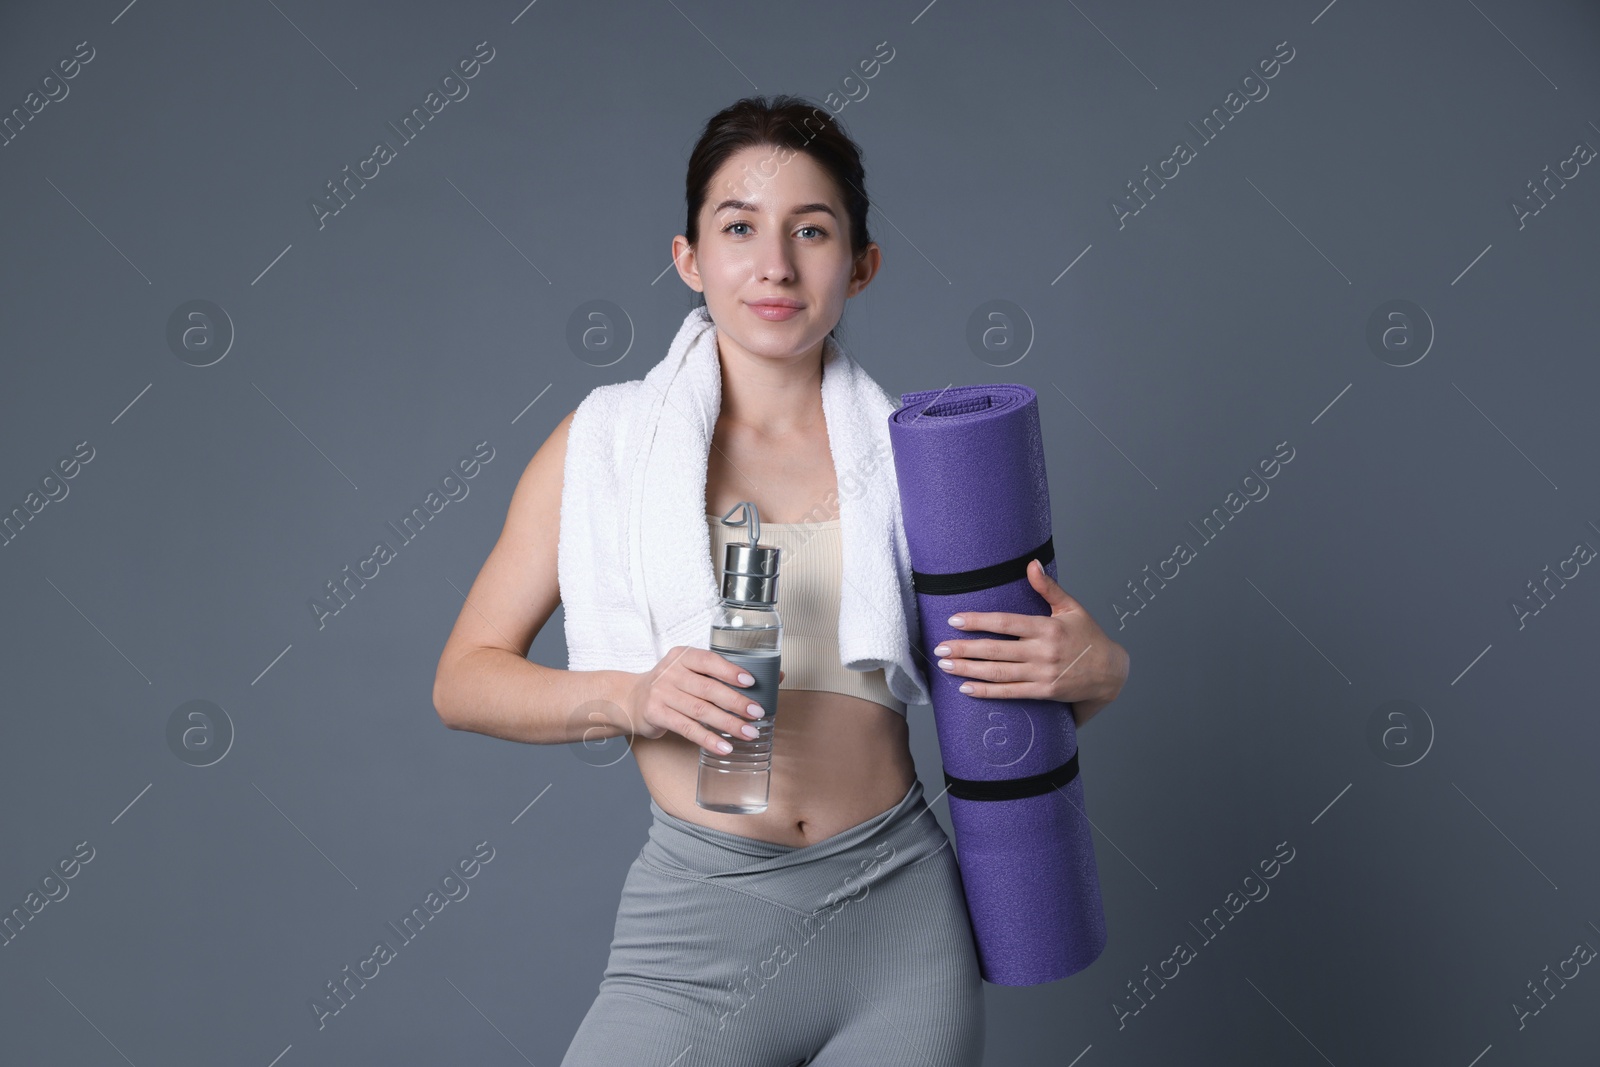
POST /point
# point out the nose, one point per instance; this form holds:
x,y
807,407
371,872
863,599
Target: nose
x,y
774,262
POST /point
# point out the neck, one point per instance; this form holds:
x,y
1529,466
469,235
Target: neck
x,y
770,395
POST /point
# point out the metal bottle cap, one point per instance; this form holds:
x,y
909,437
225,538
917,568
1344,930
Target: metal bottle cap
x,y
749,568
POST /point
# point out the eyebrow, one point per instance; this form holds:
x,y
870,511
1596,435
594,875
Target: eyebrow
x,y
743,205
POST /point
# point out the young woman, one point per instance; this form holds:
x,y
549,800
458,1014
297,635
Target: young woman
x,y
831,928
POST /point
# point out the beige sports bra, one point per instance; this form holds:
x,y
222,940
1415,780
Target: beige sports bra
x,y
810,571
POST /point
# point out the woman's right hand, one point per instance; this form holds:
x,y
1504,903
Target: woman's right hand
x,y
690,691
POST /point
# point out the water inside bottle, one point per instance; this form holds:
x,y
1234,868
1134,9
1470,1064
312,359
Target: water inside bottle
x,y
739,782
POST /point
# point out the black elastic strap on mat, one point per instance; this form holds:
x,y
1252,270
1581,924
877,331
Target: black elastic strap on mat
x,y
983,577
1012,788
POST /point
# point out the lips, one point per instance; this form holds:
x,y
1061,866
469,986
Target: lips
x,y
776,309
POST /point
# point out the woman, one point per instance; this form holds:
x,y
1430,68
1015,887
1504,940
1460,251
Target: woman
x,y
830,928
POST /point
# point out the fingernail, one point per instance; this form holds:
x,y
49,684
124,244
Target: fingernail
x,y
723,746
755,711
751,731
957,620
942,650
966,687
946,664
745,679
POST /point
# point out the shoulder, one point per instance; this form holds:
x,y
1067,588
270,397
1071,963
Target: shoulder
x,y
599,434
866,390
605,402
604,412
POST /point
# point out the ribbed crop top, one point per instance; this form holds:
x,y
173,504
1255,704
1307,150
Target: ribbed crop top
x,y
810,570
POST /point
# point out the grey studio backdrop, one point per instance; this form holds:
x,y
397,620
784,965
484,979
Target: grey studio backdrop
x,y
1369,674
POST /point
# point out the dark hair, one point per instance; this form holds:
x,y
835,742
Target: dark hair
x,y
788,122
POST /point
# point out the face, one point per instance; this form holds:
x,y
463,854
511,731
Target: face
x,y
773,259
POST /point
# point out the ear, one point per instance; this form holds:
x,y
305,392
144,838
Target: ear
x,y
683,257
865,268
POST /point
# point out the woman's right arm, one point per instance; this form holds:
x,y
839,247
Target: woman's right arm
x,y
486,683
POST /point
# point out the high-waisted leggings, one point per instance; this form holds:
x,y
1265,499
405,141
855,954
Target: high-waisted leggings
x,y
730,951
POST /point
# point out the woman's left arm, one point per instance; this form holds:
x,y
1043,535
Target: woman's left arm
x,y
1061,656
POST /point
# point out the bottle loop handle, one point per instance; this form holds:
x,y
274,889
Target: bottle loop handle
x,y
751,520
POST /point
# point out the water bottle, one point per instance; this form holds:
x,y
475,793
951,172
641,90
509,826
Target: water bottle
x,y
746,631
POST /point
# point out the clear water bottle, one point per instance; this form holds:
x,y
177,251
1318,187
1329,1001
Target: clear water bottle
x,y
746,631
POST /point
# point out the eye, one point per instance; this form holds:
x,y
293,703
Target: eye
x,y
820,231
731,225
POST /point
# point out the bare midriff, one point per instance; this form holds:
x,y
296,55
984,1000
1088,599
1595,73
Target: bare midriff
x,y
837,761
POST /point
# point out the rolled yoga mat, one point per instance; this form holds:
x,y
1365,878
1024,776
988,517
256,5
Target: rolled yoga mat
x,y
969,461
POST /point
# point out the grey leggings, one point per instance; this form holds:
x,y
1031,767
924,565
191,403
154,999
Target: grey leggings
x,y
730,951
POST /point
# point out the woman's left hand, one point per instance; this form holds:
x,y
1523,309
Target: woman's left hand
x,y
1062,656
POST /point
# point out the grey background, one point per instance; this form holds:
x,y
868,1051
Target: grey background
x,y
432,312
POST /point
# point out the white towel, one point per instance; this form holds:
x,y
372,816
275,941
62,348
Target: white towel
x,y
634,559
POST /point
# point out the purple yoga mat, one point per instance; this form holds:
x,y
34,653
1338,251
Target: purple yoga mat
x,y
973,495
